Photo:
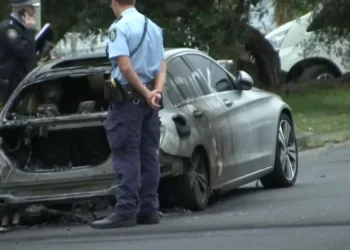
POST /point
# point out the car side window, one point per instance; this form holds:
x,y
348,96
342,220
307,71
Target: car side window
x,y
174,93
201,68
219,79
184,79
211,77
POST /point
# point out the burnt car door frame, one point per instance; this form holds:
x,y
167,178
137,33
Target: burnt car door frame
x,y
232,100
208,113
184,115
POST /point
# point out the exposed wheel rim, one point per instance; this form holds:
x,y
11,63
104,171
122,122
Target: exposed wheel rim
x,y
199,179
325,76
288,150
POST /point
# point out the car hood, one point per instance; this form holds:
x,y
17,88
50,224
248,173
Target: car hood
x,y
281,28
287,26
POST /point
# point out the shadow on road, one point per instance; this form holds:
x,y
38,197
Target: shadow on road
x,y
234,199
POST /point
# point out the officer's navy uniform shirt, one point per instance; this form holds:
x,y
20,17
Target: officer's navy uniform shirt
x,y
17,49
128,33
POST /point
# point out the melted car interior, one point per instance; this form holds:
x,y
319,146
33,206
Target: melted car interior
x,y
39,148
61,97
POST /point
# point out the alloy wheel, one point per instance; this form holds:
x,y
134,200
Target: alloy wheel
x,y
288,149
325,76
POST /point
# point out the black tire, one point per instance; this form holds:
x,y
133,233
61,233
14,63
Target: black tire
x,y
278,178
185,190
313,72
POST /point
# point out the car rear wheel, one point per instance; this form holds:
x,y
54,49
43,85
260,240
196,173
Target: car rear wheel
x,y
286,158
191,190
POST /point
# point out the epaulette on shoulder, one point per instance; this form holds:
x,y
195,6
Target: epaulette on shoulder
x,y
6,22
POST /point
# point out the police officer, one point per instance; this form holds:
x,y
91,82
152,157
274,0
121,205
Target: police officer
x,y
135,48
17,46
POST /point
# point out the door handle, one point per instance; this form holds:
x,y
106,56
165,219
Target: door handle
x,y
197,113
228,103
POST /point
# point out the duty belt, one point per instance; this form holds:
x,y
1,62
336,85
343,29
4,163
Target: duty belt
x,y
116,92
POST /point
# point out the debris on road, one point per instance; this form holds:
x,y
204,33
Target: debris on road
x,y
39,214
76,213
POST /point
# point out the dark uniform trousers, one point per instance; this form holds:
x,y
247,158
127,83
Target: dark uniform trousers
x,y
133,132
17,55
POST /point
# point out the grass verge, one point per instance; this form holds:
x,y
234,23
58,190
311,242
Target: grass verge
x,y
320,110
316,141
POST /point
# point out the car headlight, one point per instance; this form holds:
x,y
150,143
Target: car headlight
x,y
277,39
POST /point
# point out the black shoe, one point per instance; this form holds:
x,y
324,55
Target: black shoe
x,y
114,220
146,219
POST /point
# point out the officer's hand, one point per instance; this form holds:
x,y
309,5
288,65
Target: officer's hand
x,y
29,22
153,98
156,99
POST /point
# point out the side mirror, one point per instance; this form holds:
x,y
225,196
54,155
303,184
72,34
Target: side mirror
x,y
244,81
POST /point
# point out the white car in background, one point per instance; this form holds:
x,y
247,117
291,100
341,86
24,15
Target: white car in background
x,y
295,64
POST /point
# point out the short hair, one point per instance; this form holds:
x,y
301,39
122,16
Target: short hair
x,y
126,2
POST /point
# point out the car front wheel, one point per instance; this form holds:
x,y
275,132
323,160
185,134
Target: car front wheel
x,y
286,158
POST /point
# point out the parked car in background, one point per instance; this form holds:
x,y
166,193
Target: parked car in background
x,y
218,132
296,66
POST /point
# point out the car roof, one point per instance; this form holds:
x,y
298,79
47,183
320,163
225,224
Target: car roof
x,y
98,59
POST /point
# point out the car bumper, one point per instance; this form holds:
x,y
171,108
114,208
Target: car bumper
x,y
55,192
10,199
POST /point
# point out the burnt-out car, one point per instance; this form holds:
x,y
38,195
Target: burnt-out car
x,y
218,132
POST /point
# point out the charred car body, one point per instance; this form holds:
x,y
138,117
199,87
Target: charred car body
x,y
217,133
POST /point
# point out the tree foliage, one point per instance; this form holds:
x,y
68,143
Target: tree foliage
x,y
196,23
331,26
287,10
217,26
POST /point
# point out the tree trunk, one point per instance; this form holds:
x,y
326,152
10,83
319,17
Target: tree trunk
x,y
266,67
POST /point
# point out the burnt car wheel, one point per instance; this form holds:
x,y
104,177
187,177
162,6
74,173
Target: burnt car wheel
x,y
191,190
286,159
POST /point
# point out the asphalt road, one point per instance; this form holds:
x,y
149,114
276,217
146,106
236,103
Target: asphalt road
x,y
314,214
